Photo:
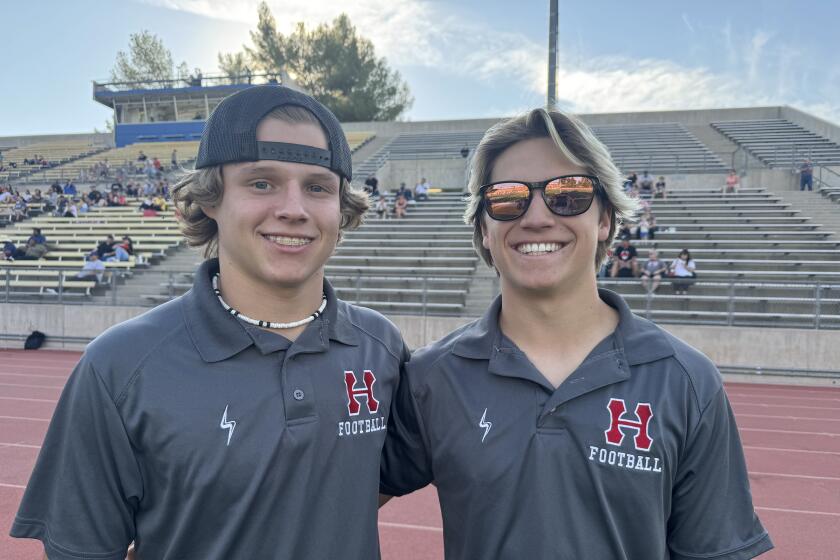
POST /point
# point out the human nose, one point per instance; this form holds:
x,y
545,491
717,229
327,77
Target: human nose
x,y
538,215
290,204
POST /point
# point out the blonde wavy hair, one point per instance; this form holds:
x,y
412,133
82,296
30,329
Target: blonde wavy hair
x,y
202,188
576,142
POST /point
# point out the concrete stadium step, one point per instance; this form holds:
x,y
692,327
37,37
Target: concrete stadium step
x,y
742,235
693,244
403,261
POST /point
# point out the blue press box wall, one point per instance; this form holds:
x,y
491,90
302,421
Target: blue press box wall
x,y
157,132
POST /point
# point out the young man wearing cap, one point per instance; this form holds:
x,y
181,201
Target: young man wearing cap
x,y
560,425
245,417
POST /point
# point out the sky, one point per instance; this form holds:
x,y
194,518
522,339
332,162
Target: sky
x,y
461,58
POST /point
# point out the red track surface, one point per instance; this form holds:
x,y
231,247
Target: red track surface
x,y
791,436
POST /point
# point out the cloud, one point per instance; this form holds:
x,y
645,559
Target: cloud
x,y
761,69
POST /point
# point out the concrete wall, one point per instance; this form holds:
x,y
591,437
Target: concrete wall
x,y
442,173
693,117
729,346
104,139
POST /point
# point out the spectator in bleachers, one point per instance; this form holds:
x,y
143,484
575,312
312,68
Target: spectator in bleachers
x,y
630,183
9,250
404,192
372,186
132,190
122,251
400,205
72,209
643,229
166,189
61,206
806,175
142,157
148,188
69,188
682,272
93,268
56,187
37,236
159,204
382,207
37,197
105,248
646,185
20,211
157,165
626,263
421,190
653,271
624,231
660,188
732,183
94,197
32,252
5,195
174,159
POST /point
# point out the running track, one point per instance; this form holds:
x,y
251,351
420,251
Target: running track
x,y
791,436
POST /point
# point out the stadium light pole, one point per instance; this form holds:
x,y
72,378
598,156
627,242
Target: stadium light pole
x,y
551,98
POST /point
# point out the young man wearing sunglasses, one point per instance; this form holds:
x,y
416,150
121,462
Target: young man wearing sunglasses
x,y
560,425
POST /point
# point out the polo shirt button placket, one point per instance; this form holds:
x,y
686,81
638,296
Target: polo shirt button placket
x,y
299,395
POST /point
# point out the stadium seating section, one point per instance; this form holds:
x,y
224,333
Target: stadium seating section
x,y
780,143
760,261
54,152
663,147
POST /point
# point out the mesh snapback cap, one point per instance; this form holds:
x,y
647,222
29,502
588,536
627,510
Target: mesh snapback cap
x,y
230,134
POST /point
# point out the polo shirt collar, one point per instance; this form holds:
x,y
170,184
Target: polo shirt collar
x,y
637,340
218,335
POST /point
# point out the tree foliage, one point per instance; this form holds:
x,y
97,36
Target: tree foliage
x,y
332,62
147,60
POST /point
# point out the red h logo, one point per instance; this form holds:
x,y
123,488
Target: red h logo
x,y
353,394
615,436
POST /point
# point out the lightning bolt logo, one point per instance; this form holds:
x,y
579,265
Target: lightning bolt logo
x,y
228,425
483,423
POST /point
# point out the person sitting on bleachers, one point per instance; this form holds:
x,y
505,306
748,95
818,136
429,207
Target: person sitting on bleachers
x,y
37,197
142,157
93,268
69,188
61,206
732,183
404,192
624,231
159,204
32,252
20,211
9,251
630,183
382,207
653,271
105,248
122,250
94,197
682,272
37,236
660,188
421,190
372,186
625,264
72,210
400,205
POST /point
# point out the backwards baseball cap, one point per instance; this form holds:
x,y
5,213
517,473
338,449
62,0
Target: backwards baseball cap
x,y
230,134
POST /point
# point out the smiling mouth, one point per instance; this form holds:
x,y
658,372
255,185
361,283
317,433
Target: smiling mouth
x,y
288,241
539,248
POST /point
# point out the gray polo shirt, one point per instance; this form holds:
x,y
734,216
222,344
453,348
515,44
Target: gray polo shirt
x,y
635,456
199,436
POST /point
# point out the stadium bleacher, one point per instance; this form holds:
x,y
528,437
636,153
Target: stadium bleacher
x,y
57,153
780,142
663,147
425,145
